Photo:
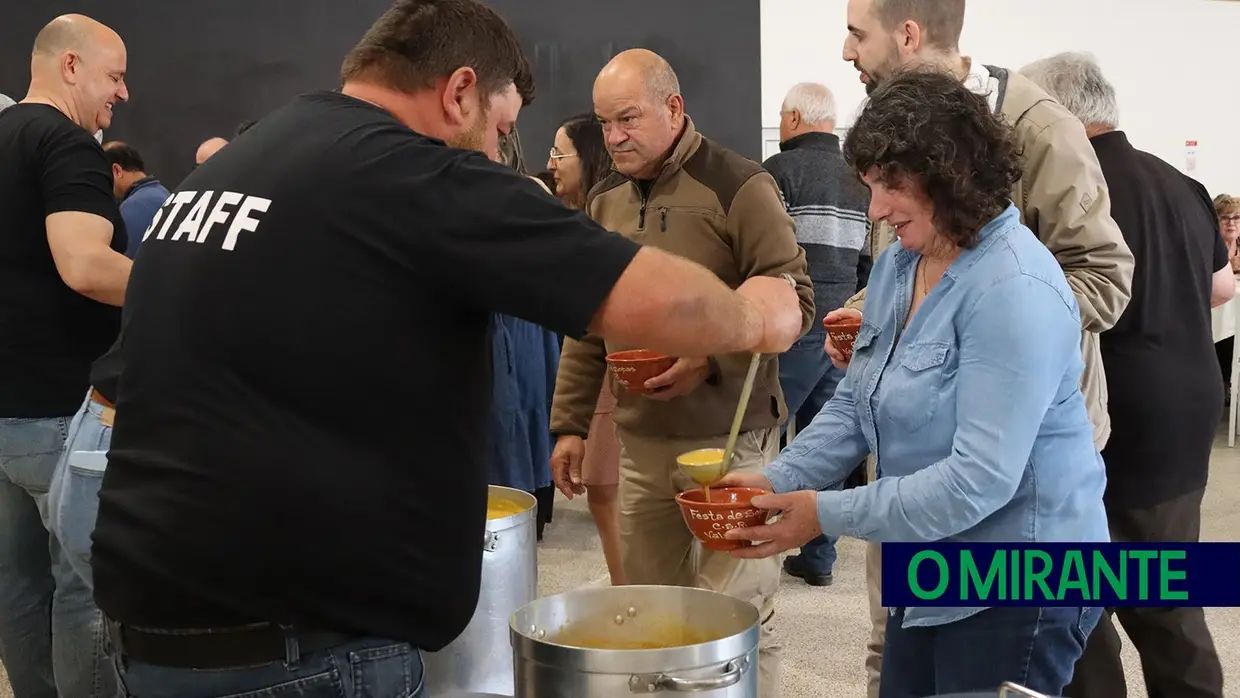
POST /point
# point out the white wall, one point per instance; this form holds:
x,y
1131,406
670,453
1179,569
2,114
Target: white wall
x,y
1174,63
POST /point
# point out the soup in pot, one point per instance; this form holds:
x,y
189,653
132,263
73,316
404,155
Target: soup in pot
x,y
498,507
649,636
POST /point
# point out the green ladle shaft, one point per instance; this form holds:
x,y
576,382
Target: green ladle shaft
x,y
746,391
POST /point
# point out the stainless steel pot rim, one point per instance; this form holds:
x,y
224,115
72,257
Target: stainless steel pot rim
x,y
717,654
504,523
712,653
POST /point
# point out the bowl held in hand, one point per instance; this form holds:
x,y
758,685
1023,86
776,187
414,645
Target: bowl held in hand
x,y
634,367
727,509
843,334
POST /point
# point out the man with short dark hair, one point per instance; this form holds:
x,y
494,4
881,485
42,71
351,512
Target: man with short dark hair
x,y
63,275
140,194
296,488
1167,395
1062,194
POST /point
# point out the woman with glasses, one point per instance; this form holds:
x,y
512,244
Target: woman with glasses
x,y
1227,207
578,161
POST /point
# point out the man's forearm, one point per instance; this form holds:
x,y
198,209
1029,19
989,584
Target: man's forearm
x,y
669,304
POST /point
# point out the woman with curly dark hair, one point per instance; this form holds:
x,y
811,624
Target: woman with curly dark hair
x,y
964,382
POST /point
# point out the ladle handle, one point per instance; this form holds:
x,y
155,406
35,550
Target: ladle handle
x,y
746,391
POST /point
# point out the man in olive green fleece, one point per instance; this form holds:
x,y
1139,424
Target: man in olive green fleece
x,y
678,191
1062,196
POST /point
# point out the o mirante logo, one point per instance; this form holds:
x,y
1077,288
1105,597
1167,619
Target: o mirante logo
x,y
1061,574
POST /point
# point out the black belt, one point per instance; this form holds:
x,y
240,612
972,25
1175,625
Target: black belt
x,y
220,648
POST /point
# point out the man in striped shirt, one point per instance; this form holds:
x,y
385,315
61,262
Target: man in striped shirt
x,y
828,204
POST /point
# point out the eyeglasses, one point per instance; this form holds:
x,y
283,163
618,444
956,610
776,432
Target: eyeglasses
x,y
1233,218
557,155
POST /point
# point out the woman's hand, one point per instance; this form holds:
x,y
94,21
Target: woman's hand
x,y
755,480
838,359
797,525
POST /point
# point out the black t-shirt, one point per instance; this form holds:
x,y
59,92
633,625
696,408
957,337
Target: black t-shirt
x,y
1165,392
49,333
300,431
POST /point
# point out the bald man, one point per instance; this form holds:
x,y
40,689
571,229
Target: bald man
x,y
209,147
680,191
63,275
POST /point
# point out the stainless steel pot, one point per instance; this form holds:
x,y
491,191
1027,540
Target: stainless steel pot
x,y
722,663
479,660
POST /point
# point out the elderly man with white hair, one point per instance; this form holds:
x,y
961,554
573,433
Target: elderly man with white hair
x,y
828,204
1160,355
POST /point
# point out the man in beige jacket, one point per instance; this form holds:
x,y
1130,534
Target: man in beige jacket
x,y
1062,195
676,190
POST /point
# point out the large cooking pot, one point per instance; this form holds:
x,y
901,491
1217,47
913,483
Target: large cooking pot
x,y
692,641
479,660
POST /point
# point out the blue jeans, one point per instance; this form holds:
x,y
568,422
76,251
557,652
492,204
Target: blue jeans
x,y
37,584
809,379
368,668
1035,647
73,499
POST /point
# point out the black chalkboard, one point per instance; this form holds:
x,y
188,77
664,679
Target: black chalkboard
x,y
197,70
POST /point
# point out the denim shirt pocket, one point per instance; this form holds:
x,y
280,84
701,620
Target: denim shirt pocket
x,y
919,380
863,349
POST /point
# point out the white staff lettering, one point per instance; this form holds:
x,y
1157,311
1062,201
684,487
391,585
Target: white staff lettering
x,y
243,221
219,215
193,220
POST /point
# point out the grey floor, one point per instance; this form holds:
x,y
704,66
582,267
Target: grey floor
x,y
824,629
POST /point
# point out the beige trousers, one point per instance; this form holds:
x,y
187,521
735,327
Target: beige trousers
x,y
657,547
878,614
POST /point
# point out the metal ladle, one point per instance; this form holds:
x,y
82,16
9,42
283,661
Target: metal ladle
x,y
708,473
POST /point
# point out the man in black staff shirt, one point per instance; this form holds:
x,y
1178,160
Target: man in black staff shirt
x,y
62,272
296,486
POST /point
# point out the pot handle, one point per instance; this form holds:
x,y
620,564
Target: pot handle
x,y
653,683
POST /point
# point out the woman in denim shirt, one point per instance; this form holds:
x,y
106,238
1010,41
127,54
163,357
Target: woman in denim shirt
x,y
964,382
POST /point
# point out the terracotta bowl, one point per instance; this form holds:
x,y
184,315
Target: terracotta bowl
x,y
843,334
727,509
633,368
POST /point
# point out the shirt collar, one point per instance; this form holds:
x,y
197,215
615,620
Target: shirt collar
x,y
817,140
981,82
1010,216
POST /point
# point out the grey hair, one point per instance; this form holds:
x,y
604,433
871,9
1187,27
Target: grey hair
x,y
1076,80
813,100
